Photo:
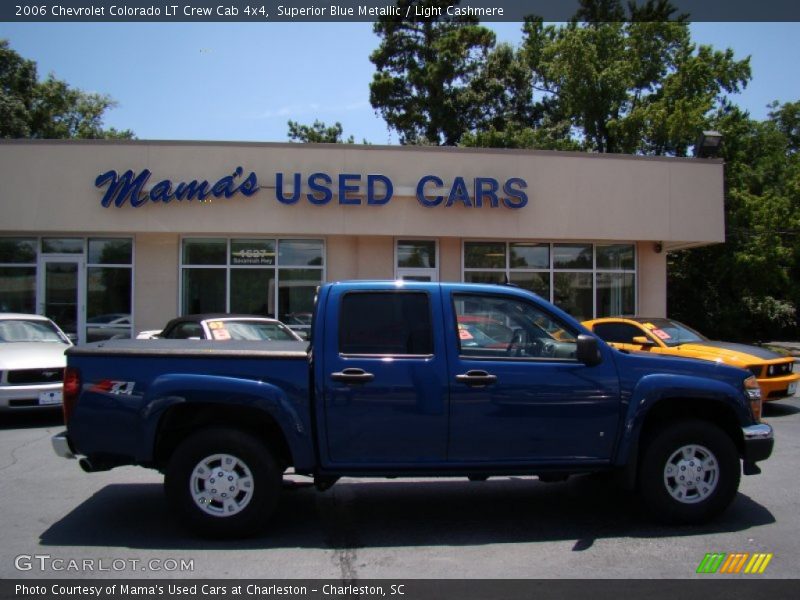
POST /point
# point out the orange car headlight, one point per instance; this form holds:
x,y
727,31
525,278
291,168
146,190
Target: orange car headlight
x,y
753,392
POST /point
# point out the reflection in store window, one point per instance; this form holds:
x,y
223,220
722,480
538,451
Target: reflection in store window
x,y
269,277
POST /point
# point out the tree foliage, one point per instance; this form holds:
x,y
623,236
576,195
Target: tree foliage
x,y
630,79
318,133
424,85
750,286
50,109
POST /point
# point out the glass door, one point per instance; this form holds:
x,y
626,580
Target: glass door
x,y
62,293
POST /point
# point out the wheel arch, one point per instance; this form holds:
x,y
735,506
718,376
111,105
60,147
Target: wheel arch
x,y
182,420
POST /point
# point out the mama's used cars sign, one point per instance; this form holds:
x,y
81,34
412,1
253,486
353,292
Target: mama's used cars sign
x,y
351,189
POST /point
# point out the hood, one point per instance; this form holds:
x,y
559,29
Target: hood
x,y
734,354
639,364
32,355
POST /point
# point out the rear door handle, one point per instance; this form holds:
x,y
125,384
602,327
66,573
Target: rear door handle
x,y
352,375
476,378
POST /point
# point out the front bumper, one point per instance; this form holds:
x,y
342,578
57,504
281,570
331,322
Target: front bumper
x,y
26,397
62,446
758,443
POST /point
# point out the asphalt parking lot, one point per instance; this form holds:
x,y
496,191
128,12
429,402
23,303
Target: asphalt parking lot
x,y
59,522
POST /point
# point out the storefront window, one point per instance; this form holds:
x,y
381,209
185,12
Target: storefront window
x,y
615,294
62,245
18,289
300,253
484,255
109,289
110,251
274,278
572,293
416,254
18,250
538,283
586,280
296,290
204,251
203,291
252,252
18,275
253,291
530,256
572,256
484,277
615,256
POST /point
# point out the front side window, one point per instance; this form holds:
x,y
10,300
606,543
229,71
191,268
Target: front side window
x,y
495,327
385,324
621,333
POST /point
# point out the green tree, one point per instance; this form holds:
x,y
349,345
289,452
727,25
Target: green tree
x,y
318,133
425,75
750,286
50,109
630,79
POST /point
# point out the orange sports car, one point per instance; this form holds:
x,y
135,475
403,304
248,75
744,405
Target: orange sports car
x,y
775,373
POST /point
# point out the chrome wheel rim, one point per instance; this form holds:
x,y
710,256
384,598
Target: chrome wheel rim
x,y
691,474
221,485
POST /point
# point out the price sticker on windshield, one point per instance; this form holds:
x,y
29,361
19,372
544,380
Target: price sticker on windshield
x,y
661,334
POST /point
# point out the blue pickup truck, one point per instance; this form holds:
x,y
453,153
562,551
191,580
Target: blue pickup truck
x,y
411,379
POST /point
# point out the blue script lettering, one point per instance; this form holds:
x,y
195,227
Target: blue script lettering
x,y
130,187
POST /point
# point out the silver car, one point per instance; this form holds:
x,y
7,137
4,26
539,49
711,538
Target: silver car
x,y
32,361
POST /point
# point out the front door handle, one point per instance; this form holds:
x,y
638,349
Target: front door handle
x,y
352,375
476,378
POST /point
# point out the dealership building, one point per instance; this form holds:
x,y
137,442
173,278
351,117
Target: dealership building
x,y
113,237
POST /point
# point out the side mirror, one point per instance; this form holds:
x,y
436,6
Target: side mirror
x,y
643,341
587,351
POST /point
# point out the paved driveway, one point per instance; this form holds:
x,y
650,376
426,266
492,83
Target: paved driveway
x,y
504,528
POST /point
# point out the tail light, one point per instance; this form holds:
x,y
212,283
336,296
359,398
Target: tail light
x,y
72,389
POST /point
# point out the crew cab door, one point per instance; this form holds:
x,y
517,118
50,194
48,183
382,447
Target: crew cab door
x,y
518,393
384,378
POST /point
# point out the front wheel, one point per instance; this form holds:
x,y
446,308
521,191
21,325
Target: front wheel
x,y
223,483
689,472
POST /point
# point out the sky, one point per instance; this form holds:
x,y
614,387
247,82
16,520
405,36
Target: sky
x,y
243,82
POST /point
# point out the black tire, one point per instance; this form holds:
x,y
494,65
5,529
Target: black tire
x,y
707,459
250,474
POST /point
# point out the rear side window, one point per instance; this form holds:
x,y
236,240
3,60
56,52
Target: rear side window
x,y
386,323
621,333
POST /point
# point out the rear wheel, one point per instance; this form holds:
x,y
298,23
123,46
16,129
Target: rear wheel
x,y
689,472
223,483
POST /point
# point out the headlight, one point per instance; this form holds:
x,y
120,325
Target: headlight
x,y
754,395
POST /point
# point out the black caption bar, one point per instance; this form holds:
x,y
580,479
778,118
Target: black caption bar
x,y
409,589
253,11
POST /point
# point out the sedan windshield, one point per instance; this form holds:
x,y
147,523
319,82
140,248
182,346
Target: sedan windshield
x,y
21,330
673,333
251,330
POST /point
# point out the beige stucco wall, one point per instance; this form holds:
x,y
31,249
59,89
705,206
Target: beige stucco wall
x,y
651,280
155,280
49,186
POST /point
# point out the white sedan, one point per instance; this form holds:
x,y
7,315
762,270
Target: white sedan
x,y
32,361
